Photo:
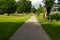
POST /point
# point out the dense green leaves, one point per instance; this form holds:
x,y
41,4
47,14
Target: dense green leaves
x,y
24,6
40,9
33,9
11,6
48,6
2,6
7,6
49,3
54,17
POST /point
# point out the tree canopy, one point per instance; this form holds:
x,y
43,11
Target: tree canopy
x,y
49,3
40,9
7,6
33,9
24,6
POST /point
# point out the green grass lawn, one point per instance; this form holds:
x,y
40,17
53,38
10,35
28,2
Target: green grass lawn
x,y
52,28
9,24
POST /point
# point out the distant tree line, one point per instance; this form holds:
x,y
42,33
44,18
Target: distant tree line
x,y
38,10
11,6
22,6
25,6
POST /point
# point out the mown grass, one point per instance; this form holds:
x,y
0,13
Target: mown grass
x,y
9,24
52,28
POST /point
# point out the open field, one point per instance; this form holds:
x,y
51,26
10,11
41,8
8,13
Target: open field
x,y
9,24
52,28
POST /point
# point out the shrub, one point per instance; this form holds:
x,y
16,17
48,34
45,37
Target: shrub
x,y
54,17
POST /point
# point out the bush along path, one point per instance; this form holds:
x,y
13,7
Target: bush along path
x,y
30,30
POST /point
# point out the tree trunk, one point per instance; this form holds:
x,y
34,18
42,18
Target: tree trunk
x,y
46,13
8,14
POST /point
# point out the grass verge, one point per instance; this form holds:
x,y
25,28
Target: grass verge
x,y
9,24
52,28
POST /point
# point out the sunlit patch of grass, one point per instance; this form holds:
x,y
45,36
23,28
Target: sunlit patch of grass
x,y
9,24
52,28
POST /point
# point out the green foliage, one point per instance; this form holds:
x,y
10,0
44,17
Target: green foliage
x,y
24,6
48,6
11,6
33,9
52,28
54,17
8,6
49,3
2,6
9,24
40,10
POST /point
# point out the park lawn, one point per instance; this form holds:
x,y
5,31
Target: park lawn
x,y
52,28
9,24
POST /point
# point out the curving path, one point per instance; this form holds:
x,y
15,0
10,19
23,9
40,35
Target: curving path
x,y
31,30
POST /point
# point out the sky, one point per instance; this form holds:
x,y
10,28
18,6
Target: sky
x,y
36,3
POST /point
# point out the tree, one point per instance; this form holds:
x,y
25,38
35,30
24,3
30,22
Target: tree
x,y
24,6
40,10
47,7
11,6
33,9
8,6
2,6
